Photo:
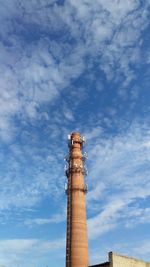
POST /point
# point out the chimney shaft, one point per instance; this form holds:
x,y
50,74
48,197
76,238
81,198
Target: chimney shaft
x,y
77,241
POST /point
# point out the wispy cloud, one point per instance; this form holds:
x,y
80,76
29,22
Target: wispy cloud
x,y
59,63
56,218
120,168
143,248
27,251
22,186
35,70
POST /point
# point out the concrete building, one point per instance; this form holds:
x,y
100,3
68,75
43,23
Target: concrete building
x,y
116,260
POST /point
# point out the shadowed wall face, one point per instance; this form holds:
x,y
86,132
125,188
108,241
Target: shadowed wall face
x,y
77,242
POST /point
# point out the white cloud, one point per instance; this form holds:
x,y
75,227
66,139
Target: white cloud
x,y
96,132
97,192
143,248
105,220
27,251
34,72
68,113
22,186
137,215
120,168
56,218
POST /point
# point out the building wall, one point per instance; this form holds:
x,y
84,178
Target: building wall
x,y
124,261
116,260
106,264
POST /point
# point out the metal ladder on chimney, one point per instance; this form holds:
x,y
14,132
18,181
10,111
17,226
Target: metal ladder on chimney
x,y
68,247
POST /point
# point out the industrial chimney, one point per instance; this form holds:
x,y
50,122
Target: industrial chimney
x,y
76,239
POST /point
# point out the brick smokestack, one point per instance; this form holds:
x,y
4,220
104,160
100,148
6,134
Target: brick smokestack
x,y
77,241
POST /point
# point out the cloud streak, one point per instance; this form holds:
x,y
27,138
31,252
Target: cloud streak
x,y
35,70
126,180
21,251
68,65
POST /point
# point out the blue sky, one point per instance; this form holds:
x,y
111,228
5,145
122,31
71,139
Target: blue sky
x,y
74,65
